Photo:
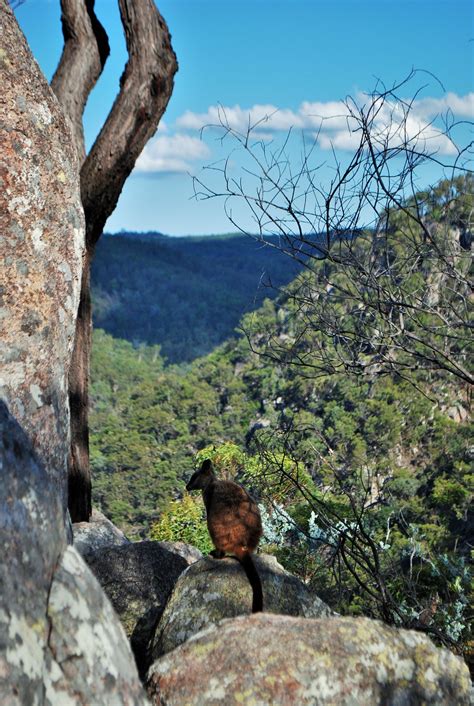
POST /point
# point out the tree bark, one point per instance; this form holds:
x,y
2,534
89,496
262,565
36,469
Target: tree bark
x,y
86,48
42,244
145,89
79,477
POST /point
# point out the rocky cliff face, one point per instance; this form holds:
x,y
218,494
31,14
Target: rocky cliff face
x,y
42,238
60,641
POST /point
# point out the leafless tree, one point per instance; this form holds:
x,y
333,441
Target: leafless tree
x,y
385,290
145,89
394,293
345,536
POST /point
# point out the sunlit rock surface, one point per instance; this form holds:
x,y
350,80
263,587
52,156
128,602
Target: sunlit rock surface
x,y
32,539
213,589
275,660
93,662
42,240
96,534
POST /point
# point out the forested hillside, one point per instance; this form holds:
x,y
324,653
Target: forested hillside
x,y
186,294
360,453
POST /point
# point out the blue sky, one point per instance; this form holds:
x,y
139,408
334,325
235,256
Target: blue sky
x,y
299,56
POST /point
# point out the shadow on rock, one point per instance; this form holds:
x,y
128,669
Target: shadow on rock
x,y
138,579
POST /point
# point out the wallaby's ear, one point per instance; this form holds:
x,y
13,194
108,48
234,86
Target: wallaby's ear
x,y
206,465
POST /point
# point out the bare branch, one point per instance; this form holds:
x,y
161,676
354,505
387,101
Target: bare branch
x,y
394,293
145,89
86,48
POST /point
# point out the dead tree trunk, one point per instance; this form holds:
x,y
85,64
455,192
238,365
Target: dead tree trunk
x,y
145,89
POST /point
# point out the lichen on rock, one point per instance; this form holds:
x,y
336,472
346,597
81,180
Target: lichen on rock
x,y
138,579
31,540
96,664
42,238
210,590
60,640
276,660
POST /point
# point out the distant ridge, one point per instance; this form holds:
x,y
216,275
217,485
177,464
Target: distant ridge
x,y
185,293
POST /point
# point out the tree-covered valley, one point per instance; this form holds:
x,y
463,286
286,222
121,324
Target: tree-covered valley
x,y
186,294
360,457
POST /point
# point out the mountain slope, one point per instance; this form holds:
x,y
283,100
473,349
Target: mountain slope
x,y
364,472
186,294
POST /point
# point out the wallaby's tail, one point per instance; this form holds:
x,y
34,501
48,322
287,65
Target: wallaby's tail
x,y
254,580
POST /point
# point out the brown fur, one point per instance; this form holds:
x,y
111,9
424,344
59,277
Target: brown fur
x,y
233,520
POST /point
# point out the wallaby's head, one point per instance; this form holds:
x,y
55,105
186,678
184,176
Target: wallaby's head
x,y
202,477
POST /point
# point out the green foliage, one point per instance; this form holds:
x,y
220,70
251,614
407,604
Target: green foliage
x,y
343,465
146,425
183,521
452,495
187,294
228,459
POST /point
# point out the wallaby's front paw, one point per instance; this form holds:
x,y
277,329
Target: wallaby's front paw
x,y
217,554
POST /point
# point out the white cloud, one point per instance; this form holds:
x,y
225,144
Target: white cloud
x,y
391,127
413,129
332,115
340,140
269,117
331,124
460,106
171,153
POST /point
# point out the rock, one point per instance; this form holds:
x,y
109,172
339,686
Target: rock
x,y
138,578
32,539
187,551
60,641
213,589
458,413
42,234
278,660
96,534
93,660
255,426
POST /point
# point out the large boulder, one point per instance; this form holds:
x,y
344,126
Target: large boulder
x,y
93,663
96,534
32,539
60,641
275,660
42,234
213,589
138,579
100,532
187,551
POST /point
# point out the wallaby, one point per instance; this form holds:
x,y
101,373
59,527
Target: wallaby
x,y
234,523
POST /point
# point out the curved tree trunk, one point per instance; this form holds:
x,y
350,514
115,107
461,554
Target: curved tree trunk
x,y
86,49
145,89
